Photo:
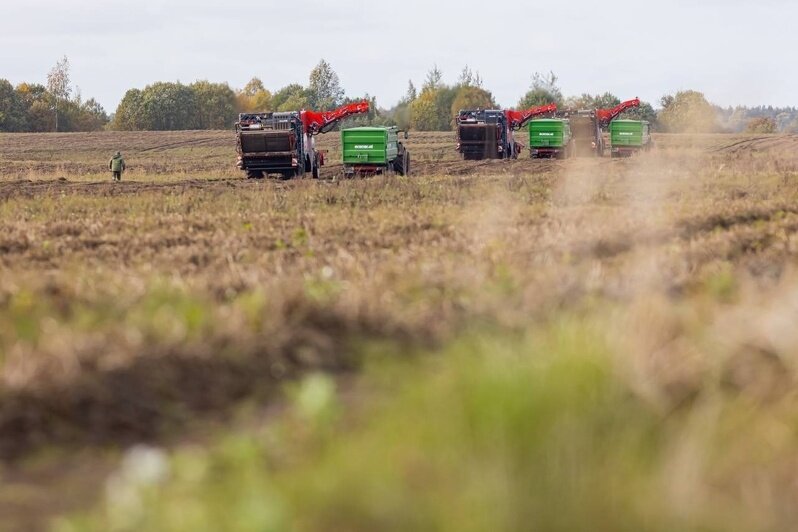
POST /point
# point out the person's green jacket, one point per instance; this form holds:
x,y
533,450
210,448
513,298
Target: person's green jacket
x,y
117,164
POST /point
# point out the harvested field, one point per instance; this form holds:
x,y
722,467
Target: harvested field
x,y
175,307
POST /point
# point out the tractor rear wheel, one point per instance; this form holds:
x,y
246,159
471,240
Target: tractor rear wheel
x,y
401,165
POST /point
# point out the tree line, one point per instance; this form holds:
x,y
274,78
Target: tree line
x,y
58,106
435,107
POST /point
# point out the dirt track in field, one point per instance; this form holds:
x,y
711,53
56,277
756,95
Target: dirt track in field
x,y
764,143
56,187
27,188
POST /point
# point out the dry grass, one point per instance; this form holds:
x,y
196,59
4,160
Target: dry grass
x,y
128,311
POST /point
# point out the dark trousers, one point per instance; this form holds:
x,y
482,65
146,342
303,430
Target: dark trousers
x,y
117,176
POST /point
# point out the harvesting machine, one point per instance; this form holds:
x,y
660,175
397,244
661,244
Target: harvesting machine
x,y
488,134
374,150
283,143
587,127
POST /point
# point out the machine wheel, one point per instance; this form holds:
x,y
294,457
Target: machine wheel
x,y
401,164
254,174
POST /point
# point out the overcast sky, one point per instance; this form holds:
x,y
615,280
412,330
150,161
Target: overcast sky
x,y
735,52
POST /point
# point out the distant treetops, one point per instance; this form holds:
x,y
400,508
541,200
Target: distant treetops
x,y
208,105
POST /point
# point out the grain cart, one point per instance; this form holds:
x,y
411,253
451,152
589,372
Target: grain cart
x,y
628,137
284,143
587,127
489,134
374,150
550,138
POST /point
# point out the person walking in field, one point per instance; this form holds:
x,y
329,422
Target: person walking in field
x,y
117,166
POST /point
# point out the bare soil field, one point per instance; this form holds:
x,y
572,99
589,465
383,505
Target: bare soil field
x,y
155,309
154,156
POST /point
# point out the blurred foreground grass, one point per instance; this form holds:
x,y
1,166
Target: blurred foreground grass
x,y
588,344
554,428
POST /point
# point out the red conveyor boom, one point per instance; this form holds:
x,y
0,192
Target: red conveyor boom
x,y
316,123
517,119
605,116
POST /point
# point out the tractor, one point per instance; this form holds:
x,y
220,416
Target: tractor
x,y
374,150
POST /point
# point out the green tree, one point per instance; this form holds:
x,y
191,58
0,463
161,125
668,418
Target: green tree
x,y
93,116
424,111
590,101
216,103
644,112
470,97
253,98
170,107
36,101
687,112
159,107
543,91
432,109
130,114
12,109
292,97
324,90
444,100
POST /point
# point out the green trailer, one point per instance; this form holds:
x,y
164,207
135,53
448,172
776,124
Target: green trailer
x,y
374,150
550,137
628,137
